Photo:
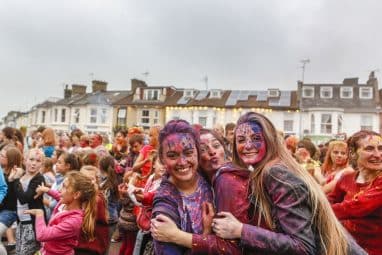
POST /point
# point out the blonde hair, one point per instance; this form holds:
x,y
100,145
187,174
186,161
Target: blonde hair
x,y
331,233
327,166
88,198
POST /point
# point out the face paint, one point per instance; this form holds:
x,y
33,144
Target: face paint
x,y
212,153
180,157
250,143
370,153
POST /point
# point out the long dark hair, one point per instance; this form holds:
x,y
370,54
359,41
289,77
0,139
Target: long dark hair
x,y
107,164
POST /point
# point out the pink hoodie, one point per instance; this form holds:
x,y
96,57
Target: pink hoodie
x,y
62,233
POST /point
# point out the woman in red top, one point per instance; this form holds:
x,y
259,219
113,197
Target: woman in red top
x,y
357,197
335,165
144,161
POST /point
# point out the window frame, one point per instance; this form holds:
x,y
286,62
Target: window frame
x,y
306,88
343,89
366,88
325,89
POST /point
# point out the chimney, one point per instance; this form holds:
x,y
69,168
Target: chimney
x,y
67,92
78,89
135,83
350,81
99,86
372,79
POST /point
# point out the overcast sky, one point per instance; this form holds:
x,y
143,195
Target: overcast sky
x,y
237,44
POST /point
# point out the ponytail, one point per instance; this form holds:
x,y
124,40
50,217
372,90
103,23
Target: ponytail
x,y
88,199
90,213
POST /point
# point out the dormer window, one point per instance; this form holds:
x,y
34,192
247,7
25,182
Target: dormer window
x,y
215,94
151,94
273,93
308,92
188,93
366,93
326,92
346,92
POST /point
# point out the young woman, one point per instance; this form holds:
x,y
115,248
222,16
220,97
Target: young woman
x,y
74,213
292,213
25,192
100,244
11,162
357,197
143,163
65,163
183,190
335,165
119,149
221,174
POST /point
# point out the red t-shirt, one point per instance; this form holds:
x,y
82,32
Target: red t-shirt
x,y
359,208
146,168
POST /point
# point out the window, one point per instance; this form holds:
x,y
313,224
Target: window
x,y
326,123
203,121
366,122
188,93
346,92
366,93
121,116
76,115
43,113
63,115
145,117
215,94
339,123
273,93
288,122
103,115
312,124
152,94
326,92
308,92
93,115
55,115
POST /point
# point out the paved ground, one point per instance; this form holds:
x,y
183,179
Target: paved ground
x,y
114,249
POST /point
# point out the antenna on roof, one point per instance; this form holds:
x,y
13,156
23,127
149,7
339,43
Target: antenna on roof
x,y
146,74
205,79
304,62
91,76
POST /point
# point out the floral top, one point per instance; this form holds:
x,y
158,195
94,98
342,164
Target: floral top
x,y
184,211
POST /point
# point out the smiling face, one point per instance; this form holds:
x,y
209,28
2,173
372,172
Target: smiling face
x,y
212,153
370,153
339,155
180,158
250,143
34,161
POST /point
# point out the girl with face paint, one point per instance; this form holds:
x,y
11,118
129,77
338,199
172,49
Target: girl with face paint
x,y
291,213
183,190
230,186
357,197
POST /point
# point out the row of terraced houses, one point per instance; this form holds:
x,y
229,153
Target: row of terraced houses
x,y
319,111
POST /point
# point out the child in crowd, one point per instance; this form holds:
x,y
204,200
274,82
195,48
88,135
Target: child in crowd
x,y
48,173
25,188
75,212
100,244
127,223
144,242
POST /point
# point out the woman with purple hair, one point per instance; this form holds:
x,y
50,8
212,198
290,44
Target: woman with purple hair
x,y
183,191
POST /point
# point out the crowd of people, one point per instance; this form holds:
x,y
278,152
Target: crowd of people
x,y
245,188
